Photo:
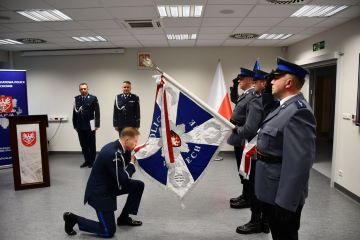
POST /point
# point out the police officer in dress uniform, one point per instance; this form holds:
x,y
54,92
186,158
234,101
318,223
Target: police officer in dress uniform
x,y
247,122
286,151
126,109
258,223
109,178
86,120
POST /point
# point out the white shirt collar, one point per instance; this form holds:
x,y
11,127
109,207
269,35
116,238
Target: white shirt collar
x,y
123,148
247,90
282,101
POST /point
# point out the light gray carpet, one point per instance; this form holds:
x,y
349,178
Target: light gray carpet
x,y
37,214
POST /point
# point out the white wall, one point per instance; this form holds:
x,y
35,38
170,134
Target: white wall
x,y
346,151
53,82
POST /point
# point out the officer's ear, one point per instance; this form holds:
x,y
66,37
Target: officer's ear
x,y
289,82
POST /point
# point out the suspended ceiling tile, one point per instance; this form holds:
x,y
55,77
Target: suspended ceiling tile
x,y
251,29
221,22
99,24
217,37
27,27
274,10
181,22
208,43
127,3
133,12
74,3
216,30
88,14
260,22
300,22
238,11
111,31
25,4
63,25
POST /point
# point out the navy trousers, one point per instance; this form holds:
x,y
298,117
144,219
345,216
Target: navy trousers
x,y
88,145
106,226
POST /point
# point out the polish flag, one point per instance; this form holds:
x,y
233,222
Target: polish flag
x,y
219,99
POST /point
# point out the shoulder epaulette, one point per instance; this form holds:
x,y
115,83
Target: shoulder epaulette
x,y
300,104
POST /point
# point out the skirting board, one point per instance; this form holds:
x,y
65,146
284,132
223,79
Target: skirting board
x,y
347,192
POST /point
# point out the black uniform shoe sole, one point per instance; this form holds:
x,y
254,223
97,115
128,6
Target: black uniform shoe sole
x,y
84,165
248,231
69,223
239,206
131,223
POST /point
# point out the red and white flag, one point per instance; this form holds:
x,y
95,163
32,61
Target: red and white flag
x,y
249,151
219,99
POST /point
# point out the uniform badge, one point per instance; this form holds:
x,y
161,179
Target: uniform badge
x,y
300,104
28,138
6,105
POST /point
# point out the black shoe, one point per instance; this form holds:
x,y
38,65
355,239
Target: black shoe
x,y
236,199
249,228
128,222
70,221
242,203
85,164
265,227
90,165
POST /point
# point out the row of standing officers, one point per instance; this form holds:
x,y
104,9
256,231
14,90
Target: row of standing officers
x,y
273,108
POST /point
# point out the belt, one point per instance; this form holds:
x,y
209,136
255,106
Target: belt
x,y
268,158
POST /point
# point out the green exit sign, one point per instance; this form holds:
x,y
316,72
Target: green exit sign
x,y
319,45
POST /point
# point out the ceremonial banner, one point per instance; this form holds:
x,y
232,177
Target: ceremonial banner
x,y
184,137
13,102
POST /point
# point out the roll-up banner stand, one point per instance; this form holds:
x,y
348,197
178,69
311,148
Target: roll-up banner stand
x,y
13,102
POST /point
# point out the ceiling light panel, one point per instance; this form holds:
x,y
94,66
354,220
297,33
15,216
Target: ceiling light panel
x,y
179,37
45,15
90,39
275,36
9,41
180,11
318,11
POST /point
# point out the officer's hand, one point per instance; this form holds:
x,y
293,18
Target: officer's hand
x,y
235,130
133,159
282,214
236,80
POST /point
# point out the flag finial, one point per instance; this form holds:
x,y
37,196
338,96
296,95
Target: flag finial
x,y
257,65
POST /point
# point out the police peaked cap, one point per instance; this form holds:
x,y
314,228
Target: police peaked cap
x,y
246,73
260,75
284,66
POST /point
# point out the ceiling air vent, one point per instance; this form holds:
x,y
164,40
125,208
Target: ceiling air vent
x,y
31,40
285,1
244,35
144,23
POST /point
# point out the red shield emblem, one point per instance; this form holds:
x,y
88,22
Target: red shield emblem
x,y
28,138
5,104
175,139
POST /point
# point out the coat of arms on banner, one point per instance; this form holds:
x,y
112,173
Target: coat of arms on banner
x,y
184,137
28,138
6,104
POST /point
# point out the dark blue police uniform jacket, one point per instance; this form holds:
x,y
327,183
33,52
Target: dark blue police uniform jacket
x,y
126,111
239,117
287,133
108,176
84,111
